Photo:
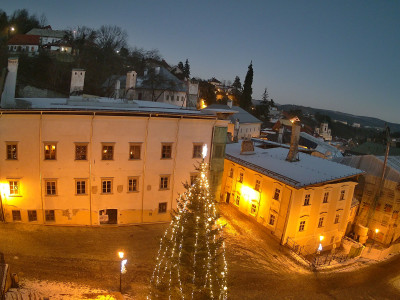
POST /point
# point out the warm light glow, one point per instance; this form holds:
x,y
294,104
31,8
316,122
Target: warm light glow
x,y
123,263
204,151
4,189
376,230
203,104
321,238
12,28
320,247
121,254
249,192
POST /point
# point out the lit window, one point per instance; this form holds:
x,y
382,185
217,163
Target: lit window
x,y
12,152
237,200
16,215
253,209
132,184
134,151
197,151
164,182
162,207
49,215
81,187
258,185
307,200
231,173
14,187
106,186
107,152
193,178
342,194
276,194
32,215
271,220
321,222
302,225
166,151
337,218
80,152
241,177
50,151
51,187
326,197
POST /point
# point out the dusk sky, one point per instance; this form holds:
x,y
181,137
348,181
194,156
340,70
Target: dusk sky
x,y
339,55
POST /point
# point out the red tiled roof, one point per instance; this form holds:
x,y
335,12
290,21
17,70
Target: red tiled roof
x,y
22,39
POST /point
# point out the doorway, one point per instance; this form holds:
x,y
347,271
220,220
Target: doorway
x,y
108,216
228,196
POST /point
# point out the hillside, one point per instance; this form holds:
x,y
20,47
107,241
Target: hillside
x,y
340,116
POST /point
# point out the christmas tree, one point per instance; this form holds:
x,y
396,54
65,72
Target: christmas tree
x,y
191,261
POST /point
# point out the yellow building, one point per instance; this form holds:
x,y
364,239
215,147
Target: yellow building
x,y
300,202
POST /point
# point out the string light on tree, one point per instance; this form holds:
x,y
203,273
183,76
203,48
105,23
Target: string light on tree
x,y
191,262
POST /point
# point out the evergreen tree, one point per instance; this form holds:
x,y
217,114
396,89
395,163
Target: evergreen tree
x,y
245,99
265,96
191,260
186,69
180,65
236,90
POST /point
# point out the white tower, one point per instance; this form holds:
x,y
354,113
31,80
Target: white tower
x,y
77,83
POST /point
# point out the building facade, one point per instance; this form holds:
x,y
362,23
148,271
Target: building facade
x,y
297,201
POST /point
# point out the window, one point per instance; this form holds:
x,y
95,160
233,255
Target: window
x,y
166,151
241,177
237,200
51,187
253,209
49,215
276,194
342,194
32,215
80,152
307,200
172,97
321,222
14,187
177,98
106,186
107,152
388,208
167,97
231,173
337,218
197,151
12,152
164,182
132,184
193,178
80,187
271,219
16,215
134,151
326,197
162,207
302,225
258,185
50,151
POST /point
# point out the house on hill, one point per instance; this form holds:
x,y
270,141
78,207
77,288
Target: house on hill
x,y
301,199
21,43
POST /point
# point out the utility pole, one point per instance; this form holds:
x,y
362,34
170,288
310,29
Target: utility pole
x,y
381,180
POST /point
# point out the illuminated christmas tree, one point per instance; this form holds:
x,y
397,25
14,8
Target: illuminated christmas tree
x,y
191,261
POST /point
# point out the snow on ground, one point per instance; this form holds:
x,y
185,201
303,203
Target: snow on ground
x,y
40,289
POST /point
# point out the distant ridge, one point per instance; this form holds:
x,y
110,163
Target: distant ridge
x,y
340,116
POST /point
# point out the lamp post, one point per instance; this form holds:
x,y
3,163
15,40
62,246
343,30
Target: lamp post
x,y
10,29
123,269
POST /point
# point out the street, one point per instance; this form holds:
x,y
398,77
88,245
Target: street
x,y
259,268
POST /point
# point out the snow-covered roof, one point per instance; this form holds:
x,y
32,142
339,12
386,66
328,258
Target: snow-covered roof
x,y
240,114
47,32
322,147
106,104
309,170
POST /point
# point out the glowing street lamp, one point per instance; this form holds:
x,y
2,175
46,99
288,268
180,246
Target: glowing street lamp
x,y
123,268
321,238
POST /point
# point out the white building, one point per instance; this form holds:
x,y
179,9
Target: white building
x,y
324,131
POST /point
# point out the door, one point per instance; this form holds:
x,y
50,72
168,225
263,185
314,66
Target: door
x,y
228,195
108,216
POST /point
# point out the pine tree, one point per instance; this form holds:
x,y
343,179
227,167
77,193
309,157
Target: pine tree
x,y
191,260
245,99
186,69
265,96
236,90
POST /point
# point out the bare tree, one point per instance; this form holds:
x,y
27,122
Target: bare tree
x,y
111,37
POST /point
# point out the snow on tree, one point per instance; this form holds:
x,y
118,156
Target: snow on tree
x,y
191,261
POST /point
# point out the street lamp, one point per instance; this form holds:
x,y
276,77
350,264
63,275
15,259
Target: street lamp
x,y
123,268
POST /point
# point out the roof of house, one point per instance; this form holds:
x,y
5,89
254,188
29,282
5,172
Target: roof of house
x,y
308,171
374,149
321,146
47,32
22,39
373,165
240,114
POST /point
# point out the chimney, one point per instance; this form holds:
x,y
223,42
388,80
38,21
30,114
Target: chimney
x,y
280,134
77,82
117,89
130,80
247,147
145,72
8,96
294,142
229,103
